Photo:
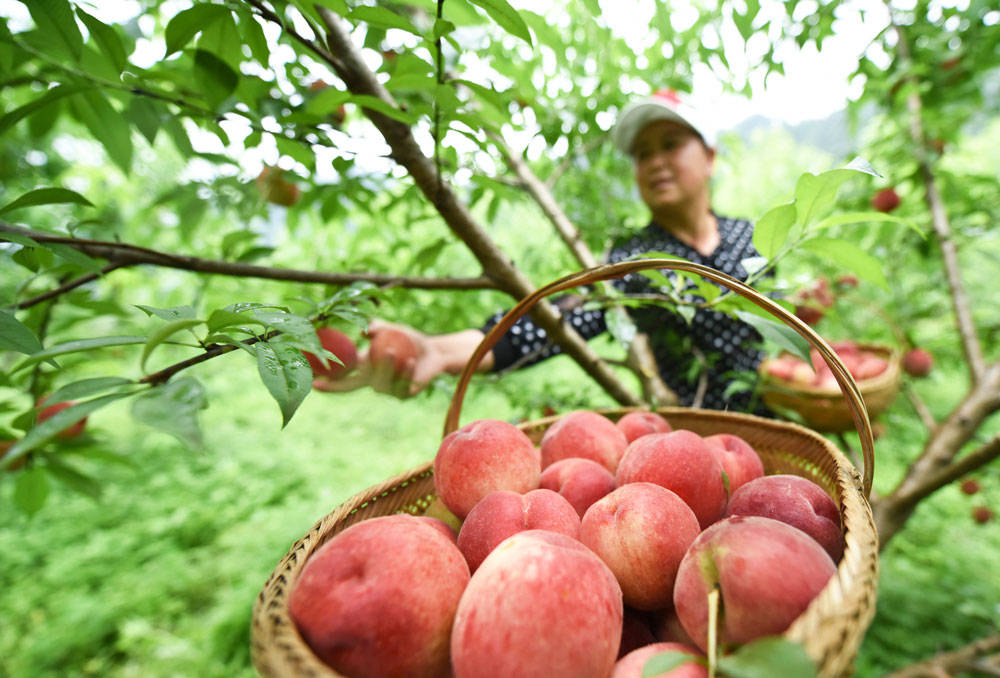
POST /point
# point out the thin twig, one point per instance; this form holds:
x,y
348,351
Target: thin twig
x,y
954,661
920,407
67,286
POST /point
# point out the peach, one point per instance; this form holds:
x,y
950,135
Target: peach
x,y
796,501
501,514
379,598
586,434
49,411
340,345
682,462
738,459
869,366
542,605
393,350
641,531
636,424
767,573
482,457
632,664
917,362
580,481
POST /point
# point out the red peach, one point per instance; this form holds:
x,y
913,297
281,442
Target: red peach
x,y
636,424
794,500
641,531
738,458
394,350
340,345
810,315
632,664
379,598
502,514
542,605
275,188
49,411
982,514
586,434
682,462
767,573
970,486
482,457
917,362
781,367
870,366
886,200
580,481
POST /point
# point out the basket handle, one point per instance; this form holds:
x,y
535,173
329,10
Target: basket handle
x,y
848,386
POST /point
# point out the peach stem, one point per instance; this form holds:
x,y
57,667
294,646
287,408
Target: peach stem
x,y
713,627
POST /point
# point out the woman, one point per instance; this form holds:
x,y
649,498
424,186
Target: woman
x,y
673,162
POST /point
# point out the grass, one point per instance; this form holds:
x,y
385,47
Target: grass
x,y
158,578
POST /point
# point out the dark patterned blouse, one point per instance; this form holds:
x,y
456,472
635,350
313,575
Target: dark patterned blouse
x,y
725,345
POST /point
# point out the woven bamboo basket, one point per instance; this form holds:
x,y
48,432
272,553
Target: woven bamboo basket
x,y
830,629
825,409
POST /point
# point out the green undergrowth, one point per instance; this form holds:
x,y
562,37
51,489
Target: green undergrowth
x,y
158,578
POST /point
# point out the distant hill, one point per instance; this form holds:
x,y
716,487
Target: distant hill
x,y
832,134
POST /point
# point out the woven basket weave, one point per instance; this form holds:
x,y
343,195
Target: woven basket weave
x,y
830,629
824,409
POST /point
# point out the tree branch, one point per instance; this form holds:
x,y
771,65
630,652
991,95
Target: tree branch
x,y
359,79
640,354
939,219
123,254
934,468
946,664
920,407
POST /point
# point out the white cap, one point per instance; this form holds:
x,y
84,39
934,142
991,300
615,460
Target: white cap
x,y
664,104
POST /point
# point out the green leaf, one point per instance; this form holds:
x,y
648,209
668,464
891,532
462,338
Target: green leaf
x,y
55,20
185,312
768,657
186,24
253,36
293,326
222,39
813,192
106,124
845,218
442,27
51,96
173,408
77,346
859,164
48,429
506,16
286,374
31,489
15,336
106,38
73,256
663,662
849,256
779,333
45,196
163,333
771,232
216,78
87,387
381,17
72,477
338,6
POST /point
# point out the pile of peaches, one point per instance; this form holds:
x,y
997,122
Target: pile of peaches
x,y
581,557
859,361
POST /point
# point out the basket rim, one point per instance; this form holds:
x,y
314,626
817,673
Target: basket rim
x,y
879,382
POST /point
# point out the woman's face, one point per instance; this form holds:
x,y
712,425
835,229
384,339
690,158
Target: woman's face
x,y
672,166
